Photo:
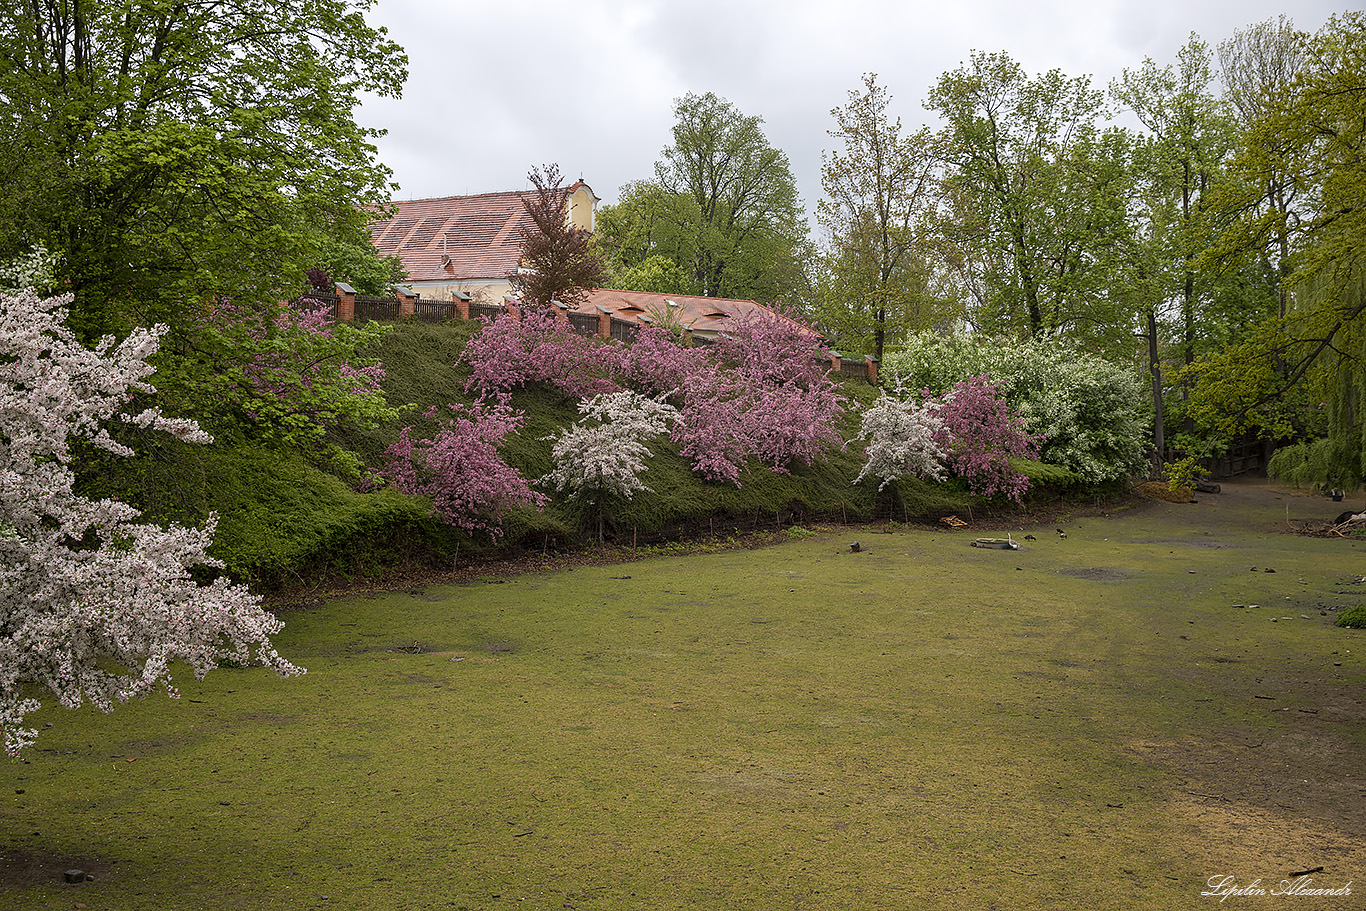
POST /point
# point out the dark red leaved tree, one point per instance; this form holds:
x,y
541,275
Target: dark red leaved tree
x,y
559,261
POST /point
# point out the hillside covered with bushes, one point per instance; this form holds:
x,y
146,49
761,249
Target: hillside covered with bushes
x,y
317,492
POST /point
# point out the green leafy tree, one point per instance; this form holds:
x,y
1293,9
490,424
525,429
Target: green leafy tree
x,y
877,192
1033,196
657,274
1188,137
1312,138
647,222
172,151
1259,66
356,262
723,205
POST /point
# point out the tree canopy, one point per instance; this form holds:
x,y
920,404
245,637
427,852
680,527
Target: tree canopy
x,y
1034,194
723,206
171,150
1301,180
878,191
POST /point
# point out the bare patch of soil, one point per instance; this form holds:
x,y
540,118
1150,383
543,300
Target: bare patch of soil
x,y
1096,574
21,868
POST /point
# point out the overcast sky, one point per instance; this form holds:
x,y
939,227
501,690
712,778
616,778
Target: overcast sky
x,y
497,86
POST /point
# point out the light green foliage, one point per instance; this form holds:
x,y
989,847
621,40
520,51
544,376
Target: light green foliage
x,y
1034,197
277,376
1301,180
355,260
170,150
1314,464
723,206
648,222
1188,135
878,191
657,274
1088,410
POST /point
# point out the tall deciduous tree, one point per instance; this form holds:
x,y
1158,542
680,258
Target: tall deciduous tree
x,y
1314,136
648,223
1259,66
1034,195
723,205
170,151
559,261
877,190
1188,139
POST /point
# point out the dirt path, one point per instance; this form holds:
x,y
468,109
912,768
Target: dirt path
x,y
1280,789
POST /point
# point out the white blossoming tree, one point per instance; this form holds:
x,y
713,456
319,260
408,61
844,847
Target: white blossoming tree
x,y
33,269
604,454
901,441
93,605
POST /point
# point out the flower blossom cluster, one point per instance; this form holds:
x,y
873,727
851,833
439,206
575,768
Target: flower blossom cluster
x,y
93,604
902,441
762,393
537,346
604,454
469,484
968,431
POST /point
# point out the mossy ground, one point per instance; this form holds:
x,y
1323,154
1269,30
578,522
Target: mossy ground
x,y
1087,722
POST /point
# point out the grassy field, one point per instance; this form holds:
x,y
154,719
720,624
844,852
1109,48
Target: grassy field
x,y
1101,720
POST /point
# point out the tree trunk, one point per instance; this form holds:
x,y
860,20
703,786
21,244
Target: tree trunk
x,y
1155,371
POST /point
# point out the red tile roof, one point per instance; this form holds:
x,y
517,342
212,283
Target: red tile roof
x,y
701,314
480,234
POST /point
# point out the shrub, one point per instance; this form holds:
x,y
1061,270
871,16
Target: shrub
x,y
459,469
980,435
1087,412
1353,617
606,458
969,430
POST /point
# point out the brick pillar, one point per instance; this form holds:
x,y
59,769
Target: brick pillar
x,y
835,361
346,307
872,368
511,307
561,312
405,303
462,304
604,322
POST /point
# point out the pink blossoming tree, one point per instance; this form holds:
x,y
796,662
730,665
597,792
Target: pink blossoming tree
x,y
537,347
469,484
763,393
94,605
979,437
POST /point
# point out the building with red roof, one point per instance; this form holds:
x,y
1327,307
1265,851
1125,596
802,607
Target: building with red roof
x,y
465,247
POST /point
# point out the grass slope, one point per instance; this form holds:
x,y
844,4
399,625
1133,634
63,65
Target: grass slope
x,y
285,518
1088,722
